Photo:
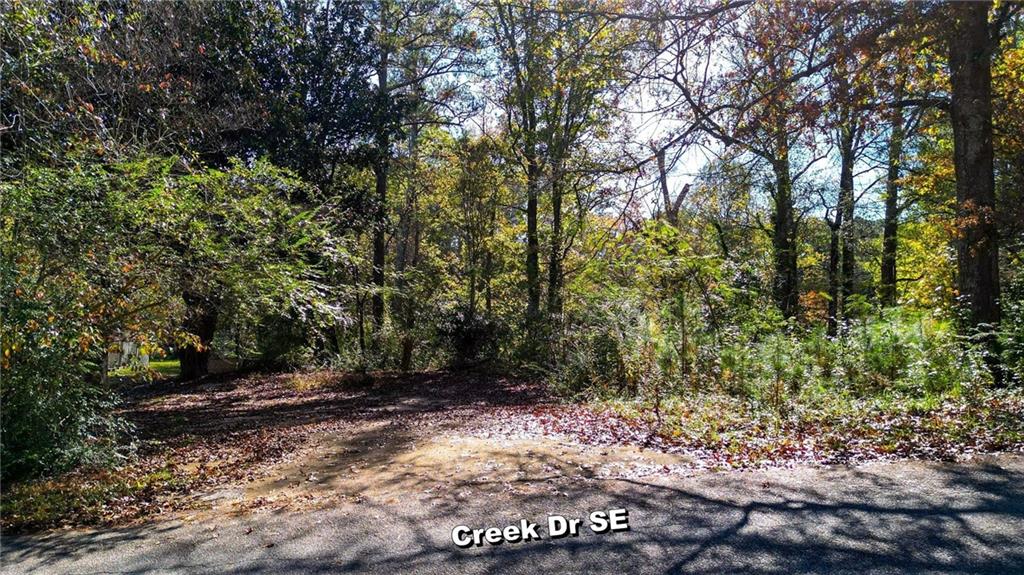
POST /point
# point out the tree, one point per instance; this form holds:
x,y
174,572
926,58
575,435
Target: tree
x,y
517,32
560,66
418,47
894,160
850,108
208,82
970,67
760,102
312,62
86,75
585,70
481,190
79,273
241,242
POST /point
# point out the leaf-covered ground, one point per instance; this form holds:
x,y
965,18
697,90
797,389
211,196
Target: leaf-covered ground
x,y
718,433
269,439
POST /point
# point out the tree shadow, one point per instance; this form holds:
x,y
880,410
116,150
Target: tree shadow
x,y
920,518
224,407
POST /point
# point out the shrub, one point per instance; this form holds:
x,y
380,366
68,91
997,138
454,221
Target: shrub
x,y
54,421
469,338
625,354
621,351
1013,329
94,253
73,283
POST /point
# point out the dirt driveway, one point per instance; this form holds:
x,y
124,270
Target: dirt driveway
x,y
328,474
392,437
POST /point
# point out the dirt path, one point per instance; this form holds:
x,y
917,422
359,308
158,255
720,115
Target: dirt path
x,y
422,437
384,461
301,441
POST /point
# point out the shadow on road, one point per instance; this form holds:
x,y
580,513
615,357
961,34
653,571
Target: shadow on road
x,y
925,519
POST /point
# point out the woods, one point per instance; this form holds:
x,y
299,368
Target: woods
x,y
804,212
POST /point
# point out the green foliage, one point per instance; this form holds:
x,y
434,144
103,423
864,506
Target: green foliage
x,y
56,421
241,240
907,355
471,339
73,285
1013,327
619,351
101,253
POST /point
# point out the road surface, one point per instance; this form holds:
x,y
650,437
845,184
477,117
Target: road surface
x,y
907,517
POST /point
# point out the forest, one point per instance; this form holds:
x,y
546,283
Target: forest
x,y
764,231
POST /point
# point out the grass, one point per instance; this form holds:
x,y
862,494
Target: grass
x,y
84,498
163,369
822,428
166,367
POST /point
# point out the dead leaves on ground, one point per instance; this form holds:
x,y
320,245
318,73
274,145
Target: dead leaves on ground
x,y
196,438
953,429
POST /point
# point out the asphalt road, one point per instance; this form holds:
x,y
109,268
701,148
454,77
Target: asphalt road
x,y
879,518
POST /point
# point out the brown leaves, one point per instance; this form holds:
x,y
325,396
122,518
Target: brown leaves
x,y
195,438
746,439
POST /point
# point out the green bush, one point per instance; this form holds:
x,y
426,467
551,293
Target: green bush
x,y
615,353
53,421
469,339
95,253
72,284
1013,329
910,355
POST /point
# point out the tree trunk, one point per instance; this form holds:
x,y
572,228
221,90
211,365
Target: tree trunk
x,y
846,207
202,323
361,327
555,257
684,334
722,240
532,239
380,173
672,206
832,326
786,283
471,255
890,231
970,55
406,250
671,213
524,72
489,265
471,282
408,317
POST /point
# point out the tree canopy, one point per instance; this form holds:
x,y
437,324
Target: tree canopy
x,y
633,198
